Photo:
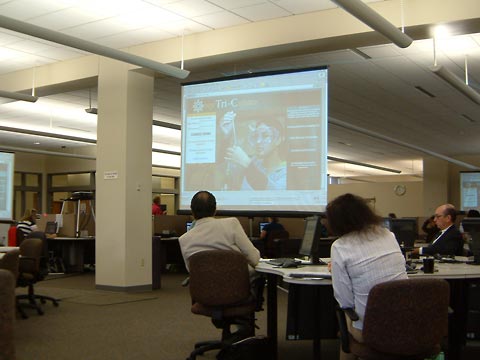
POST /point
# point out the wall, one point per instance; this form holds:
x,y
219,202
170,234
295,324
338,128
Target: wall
x,y
410,204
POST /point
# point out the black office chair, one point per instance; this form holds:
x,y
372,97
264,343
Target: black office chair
x,y
404,319
220,289
30,272
272,249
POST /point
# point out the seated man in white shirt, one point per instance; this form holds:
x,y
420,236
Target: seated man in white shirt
x,y
449,241
209,233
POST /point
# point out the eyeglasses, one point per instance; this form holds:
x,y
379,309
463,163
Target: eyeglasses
x,y
263,135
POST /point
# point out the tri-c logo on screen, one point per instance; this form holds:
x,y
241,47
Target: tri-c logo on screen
x,y
198,106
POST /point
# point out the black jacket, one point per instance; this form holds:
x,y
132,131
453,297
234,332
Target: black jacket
x,y
450,243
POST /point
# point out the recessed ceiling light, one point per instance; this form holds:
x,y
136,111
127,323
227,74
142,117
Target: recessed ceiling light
x,y
36,143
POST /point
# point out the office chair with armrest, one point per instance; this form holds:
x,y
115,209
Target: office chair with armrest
x,y
30,272
220,289
404,319
7,315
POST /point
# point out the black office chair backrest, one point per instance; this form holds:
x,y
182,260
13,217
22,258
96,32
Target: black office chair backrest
x,y
219,278
272,244
42,236
407,317
30,254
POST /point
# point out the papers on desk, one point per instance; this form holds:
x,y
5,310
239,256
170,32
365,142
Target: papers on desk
x,y
315,276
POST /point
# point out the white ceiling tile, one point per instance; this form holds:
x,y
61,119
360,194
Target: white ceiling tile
x,y
8,37
261,12
381,51
63,53
136,37
304,6
220,20
235,4
192,8
31,46
183,27
25,9
99,29
66,18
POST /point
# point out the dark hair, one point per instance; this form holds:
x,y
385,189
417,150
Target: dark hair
x,y
392,215
203,204
348,213
473,213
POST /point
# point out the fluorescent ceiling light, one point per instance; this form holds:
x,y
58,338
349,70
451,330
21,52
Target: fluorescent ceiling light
x,y
373,19
77,43
331,158
456,82
17,96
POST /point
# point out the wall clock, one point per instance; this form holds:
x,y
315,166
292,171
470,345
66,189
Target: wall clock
x,y
400,190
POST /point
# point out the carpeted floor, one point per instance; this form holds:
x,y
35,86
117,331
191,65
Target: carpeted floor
x,y
91,324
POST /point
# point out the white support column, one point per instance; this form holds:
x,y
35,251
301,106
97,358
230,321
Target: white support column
x,y
124,178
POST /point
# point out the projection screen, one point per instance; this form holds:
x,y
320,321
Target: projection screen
x,y
257,142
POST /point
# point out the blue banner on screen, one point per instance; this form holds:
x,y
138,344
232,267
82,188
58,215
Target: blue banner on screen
x,y
6,185
258,142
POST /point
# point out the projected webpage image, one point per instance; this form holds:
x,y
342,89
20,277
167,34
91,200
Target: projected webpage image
x,y
6,185
258,143
470,190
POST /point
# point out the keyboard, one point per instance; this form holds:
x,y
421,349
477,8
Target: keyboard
x,y
282,261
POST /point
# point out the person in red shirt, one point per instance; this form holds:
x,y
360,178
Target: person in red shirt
x,y
12,234
156,208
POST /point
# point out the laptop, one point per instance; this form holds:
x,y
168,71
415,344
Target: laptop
x,y
50,228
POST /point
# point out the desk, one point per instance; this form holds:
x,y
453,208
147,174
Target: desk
x,y
4,249
165,250
74,251
456,274
273,273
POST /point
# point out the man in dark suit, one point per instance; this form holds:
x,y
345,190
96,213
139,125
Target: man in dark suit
x,y
449,241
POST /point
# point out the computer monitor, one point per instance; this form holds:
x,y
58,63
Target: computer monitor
x,y
261,226
472,227
51,227
405,230
386,223
189,225
311,236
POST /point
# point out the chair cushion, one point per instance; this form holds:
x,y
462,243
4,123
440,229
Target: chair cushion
x,y
407,317
365,352
219,278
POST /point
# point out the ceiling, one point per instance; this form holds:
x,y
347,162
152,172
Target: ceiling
x,y
374,88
